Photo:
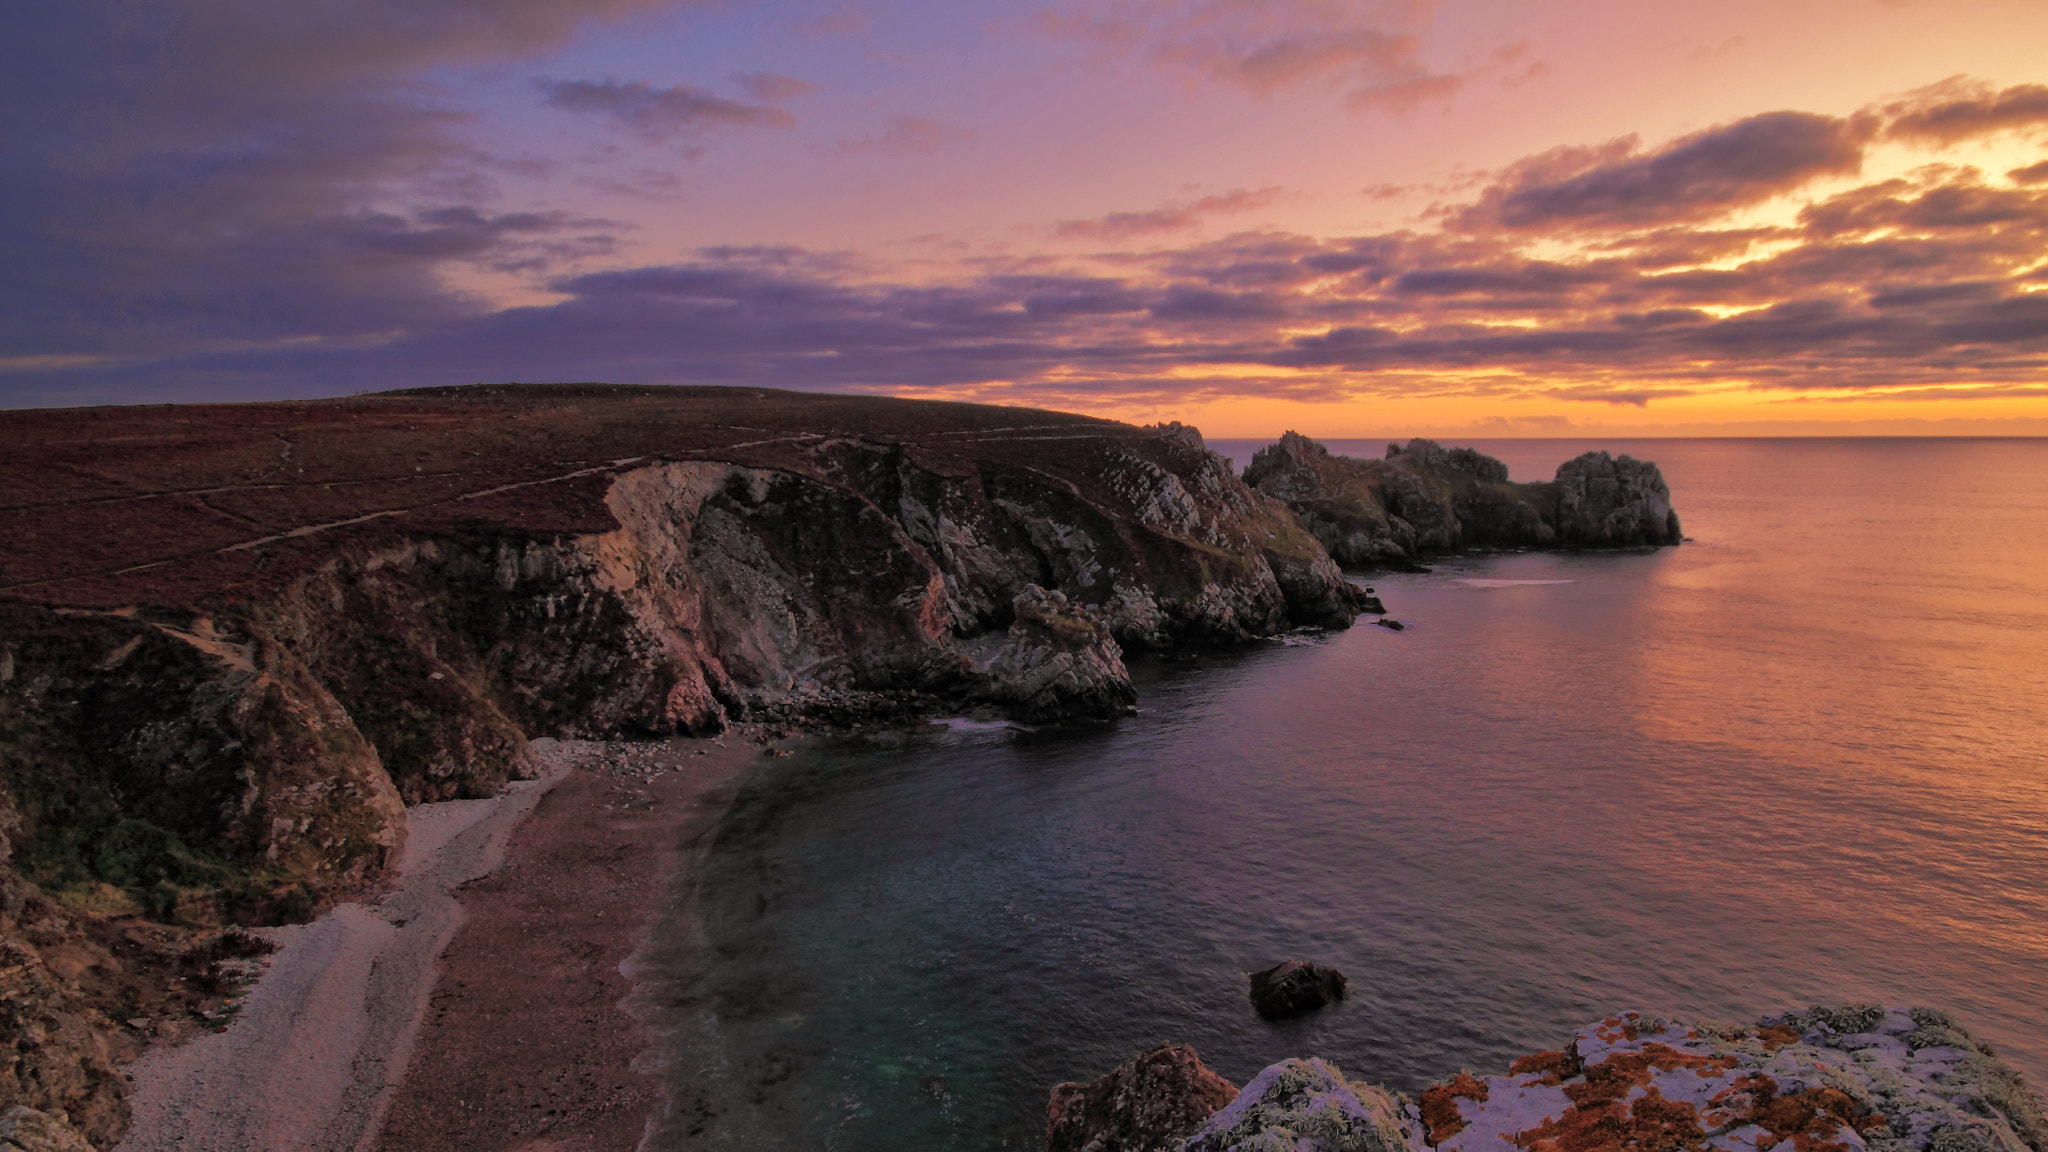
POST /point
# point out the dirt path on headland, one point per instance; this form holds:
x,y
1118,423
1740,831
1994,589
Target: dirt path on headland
x,y
525,1044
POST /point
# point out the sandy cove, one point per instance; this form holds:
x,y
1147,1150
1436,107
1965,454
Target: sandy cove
x,y
417,1020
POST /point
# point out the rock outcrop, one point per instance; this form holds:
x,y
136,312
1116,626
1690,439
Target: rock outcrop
x,y
1149,1103
1307,1106
1424,498
1841,1079
1293,988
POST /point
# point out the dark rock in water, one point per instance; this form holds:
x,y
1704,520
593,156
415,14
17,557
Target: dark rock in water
x,y
1390,623
1424,498
1150,1103
1371,603
1295,987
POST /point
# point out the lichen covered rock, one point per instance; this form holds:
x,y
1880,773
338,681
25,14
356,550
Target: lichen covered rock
x,y
1826,1080
1149,1103
1307,1106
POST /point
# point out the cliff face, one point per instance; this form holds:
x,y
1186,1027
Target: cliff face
x,y
236,640
1425,498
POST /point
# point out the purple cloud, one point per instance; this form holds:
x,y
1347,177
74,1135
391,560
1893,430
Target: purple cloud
x,y
661,113
1958,109
1176,217
1708,172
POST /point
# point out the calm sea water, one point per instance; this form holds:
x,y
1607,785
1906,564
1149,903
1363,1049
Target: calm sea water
x,y
1799,759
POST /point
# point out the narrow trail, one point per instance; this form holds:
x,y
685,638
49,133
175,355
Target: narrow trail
x,y
302,530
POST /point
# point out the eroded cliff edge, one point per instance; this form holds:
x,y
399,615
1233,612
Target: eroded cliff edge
x,y
236,640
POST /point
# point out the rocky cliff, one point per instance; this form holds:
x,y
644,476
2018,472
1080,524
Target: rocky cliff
x,y
236,640
1425,498
1845,1079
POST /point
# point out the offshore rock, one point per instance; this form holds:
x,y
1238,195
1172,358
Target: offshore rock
x,y
1150,1103
1606,501
1308,1106
1293,988
1424,498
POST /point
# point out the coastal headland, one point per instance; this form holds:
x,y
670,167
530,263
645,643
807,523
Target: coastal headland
x,y
238,643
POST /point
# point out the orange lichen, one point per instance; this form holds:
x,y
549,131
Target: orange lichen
x,y
1777,1036
1440,1105
1557,1067
1809,1119
1651,1124
1613,1077
1615,1029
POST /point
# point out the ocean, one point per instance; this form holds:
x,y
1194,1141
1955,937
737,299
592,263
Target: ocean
x,y
1802,758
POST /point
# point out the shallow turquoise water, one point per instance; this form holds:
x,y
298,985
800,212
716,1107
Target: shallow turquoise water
x,y
1799,759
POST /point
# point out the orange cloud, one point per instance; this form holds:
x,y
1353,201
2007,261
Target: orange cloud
x,y
1169,217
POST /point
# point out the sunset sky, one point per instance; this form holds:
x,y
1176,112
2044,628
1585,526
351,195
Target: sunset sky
x,y
1486,217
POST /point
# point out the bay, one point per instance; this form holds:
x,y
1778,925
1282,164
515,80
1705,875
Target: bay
x,y
1798,759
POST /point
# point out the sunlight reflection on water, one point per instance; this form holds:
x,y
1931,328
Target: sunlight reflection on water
x,y
1799,759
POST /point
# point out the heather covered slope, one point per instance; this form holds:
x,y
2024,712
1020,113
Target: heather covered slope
x,y
236,639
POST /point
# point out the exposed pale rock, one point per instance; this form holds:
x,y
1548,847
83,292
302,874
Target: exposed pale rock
x,y
27,1130
1307,1106
1056,660
1149,1103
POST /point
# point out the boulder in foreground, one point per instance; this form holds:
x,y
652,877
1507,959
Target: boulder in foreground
x,y
1307,1106
1824,1080
1150,1103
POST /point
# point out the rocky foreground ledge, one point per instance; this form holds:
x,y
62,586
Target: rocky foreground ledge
x,y
1823,1080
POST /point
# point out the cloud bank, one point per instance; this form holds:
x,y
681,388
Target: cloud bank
x,y
286,213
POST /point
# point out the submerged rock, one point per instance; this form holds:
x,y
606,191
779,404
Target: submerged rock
x,y
1295,987
1150,1103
